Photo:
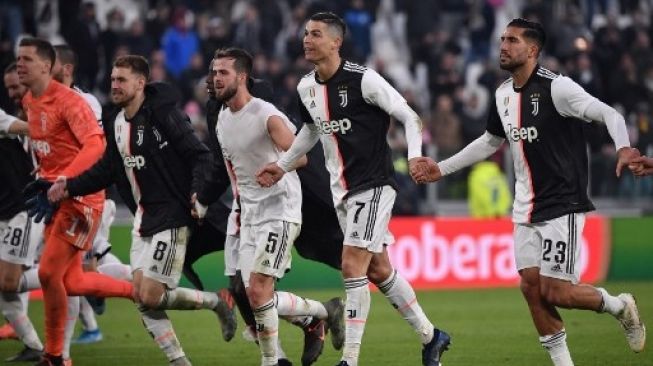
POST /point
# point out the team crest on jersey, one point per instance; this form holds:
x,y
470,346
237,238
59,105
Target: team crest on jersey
x,y
342,93
44,121
535,102
506,100
139,135
311,92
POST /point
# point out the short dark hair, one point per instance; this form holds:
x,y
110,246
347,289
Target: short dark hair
x,y
11,68
532,30
242,59
66,55
138,64
43,48
331,20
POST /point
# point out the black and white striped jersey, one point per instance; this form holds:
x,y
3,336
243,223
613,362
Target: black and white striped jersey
x,y
542,123
351,111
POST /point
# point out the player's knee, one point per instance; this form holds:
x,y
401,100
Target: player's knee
x,y
48,275
555,295
352,268
9,283
150,299
379,273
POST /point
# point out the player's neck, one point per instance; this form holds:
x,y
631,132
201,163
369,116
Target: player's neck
x,y
132,108
521,75
38,87
239,100
328,67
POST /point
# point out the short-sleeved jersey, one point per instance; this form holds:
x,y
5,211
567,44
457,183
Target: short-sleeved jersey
x,y
246,148
352,111
60,121
542,124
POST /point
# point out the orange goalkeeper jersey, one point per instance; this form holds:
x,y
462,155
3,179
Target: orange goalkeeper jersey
x,y
60,123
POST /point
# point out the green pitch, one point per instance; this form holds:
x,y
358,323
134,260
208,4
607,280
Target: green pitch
x,y
488,327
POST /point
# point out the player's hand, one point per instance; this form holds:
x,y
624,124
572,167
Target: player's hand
x,y
625,156
269,175
198,210
58,191
424,170
37,203
641,166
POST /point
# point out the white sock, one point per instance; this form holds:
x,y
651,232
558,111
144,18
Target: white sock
x,y
116,270
611,304
29,280
267,328
402,297
188,299
160,328
298,321
280,353
556,345
289,304
87,315
24,300
13,310
71,319
357,306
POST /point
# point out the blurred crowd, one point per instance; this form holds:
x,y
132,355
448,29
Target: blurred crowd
x,y
441,54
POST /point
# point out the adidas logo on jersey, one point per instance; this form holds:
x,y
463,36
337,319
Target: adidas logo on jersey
x,y
524,133
328,127
266,263
135,161
556,268
154,269
354,235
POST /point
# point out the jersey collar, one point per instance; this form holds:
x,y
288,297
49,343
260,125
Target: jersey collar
x,y
342,63
518,90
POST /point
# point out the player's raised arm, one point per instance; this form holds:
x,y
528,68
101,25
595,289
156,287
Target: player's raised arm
x,y
571,100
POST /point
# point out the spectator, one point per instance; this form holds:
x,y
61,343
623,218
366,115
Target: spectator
x,y
179,42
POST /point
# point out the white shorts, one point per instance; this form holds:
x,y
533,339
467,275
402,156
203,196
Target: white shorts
x,y
553,246
231,249
266,248
160,257
20,240
364,218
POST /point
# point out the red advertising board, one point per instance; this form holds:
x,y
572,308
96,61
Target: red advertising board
x,y
461,252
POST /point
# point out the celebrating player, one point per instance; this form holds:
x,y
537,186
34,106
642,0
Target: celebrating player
x,y
67,140
348,108
155,160
252,132
541,114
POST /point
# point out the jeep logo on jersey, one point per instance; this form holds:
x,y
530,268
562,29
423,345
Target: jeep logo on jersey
x,y
135,161
328,127
41,147
524,133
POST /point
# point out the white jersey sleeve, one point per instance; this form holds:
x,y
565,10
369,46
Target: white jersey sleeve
x,y
571,100
377,91
271,111
6,121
